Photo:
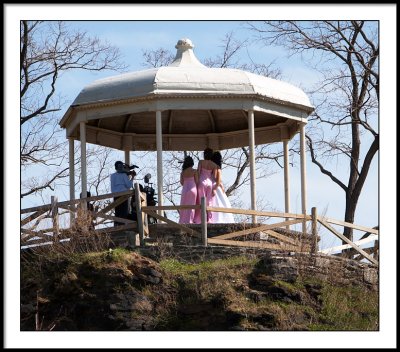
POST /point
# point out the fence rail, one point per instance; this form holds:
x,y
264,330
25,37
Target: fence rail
x,y
307,242
73,207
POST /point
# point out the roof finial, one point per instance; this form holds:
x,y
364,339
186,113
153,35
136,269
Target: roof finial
x,y
184,54
184,43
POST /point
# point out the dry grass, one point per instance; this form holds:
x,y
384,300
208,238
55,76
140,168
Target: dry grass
x,y
80,238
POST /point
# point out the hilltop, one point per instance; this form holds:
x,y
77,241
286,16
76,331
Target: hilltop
x,y
198,289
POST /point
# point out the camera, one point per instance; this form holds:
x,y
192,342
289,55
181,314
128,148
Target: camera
x,y
128,169
150,199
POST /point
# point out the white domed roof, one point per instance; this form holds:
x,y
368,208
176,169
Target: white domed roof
x,y
186,76
199,107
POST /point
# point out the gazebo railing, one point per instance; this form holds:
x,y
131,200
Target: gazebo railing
x,y
287,242
31,235
306,242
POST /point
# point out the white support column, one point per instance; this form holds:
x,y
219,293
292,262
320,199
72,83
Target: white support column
x,y
286,177
252,163
127,157
303,173
159,159
83,160
71,179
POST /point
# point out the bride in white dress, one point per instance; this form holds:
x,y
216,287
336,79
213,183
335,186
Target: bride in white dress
x,y
220,199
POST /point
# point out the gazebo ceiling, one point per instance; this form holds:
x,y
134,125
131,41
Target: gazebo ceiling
x,y
200,107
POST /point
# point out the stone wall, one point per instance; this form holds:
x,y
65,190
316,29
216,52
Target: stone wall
x,y
167,233
285,266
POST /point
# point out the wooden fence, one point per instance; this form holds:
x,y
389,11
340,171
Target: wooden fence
x,y
306,242
75,208
286,242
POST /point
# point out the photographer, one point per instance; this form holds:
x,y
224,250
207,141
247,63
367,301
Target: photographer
x,y
122,180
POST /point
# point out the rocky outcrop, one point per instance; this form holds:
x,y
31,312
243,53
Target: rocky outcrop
x,y
286,266
92,296
128,290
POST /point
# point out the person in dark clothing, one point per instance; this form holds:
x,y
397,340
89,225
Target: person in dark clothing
x,y
120,181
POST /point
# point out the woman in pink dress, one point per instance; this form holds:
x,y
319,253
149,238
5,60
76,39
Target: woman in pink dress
x,y
189,179
206,185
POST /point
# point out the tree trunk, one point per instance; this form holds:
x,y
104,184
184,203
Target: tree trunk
x,y
351,205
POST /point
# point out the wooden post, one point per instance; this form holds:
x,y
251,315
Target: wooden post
x,y
145,218
375,253
54,215
138,202
314,244
204,221
127,157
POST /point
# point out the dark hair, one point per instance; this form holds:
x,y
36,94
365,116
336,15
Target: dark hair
x,y
119,165
208,152
217,158
87,194
188,162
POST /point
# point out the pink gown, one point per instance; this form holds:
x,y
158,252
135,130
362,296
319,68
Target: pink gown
x,y
204,189
188,197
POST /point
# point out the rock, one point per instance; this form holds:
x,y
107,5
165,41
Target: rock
x,y
314,290
266,320
256,296
152,272
130,301
281,268
284,294
371,276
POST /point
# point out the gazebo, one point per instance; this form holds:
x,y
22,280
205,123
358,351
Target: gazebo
x,y
188,106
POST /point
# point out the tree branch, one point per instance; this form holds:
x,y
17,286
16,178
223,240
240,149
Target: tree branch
x,y
322,169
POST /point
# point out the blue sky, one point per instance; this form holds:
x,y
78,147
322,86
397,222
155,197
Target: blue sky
x,y
132,37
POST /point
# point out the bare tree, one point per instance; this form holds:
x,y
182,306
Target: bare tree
x,y
231,48
346,99
157,58
99,160
49,49
39,151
